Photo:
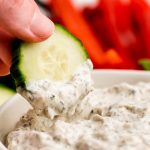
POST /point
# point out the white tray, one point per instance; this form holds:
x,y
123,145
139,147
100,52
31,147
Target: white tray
x,y
13,109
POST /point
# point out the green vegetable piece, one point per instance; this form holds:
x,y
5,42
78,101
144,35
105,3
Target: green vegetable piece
x,y
5,93
56,58
8,81
145,63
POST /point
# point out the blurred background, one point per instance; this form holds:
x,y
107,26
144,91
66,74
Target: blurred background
x,y
115,33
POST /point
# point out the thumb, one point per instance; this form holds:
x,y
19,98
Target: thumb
x,y
23,19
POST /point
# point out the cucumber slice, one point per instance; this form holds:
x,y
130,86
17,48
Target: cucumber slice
x,y
55,58
5,94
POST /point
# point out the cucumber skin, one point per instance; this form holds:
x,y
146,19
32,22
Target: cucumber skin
x,y
16,59
8,92
8,81
16,73
85,53
6,88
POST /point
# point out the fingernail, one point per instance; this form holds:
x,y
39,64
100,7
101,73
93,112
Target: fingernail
x,y
42,27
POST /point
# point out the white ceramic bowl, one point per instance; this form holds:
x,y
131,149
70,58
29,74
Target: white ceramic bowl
x,y
13,109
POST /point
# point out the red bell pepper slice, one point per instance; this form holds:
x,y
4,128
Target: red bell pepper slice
x,y
117,18
141,13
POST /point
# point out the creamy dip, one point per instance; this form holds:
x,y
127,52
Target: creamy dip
x,y
75,116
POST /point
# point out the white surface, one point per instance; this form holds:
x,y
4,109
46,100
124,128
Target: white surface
x,y
105,78
2,147
10,113
13,109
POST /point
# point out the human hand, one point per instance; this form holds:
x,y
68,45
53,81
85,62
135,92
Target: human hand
x,y
20,19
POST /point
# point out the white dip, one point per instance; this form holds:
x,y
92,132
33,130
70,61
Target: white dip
x,y
75,116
